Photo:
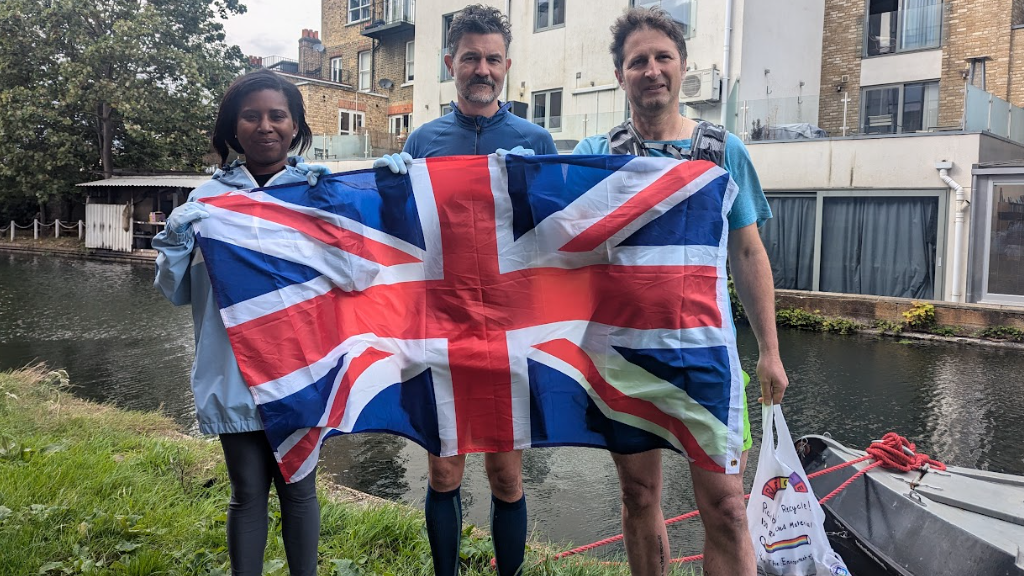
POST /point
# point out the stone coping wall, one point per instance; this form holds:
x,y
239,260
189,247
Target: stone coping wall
x,y
867,309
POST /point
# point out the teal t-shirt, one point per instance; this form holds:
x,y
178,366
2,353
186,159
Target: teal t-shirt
x,y
750,206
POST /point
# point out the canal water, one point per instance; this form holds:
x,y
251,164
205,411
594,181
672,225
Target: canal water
x,y
122,342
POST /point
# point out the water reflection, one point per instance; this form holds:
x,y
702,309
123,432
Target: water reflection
x,y
122,342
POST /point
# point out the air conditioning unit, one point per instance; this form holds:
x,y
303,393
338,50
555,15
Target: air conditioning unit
x,y
700,86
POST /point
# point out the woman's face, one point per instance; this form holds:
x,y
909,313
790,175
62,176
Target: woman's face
x,y
265,130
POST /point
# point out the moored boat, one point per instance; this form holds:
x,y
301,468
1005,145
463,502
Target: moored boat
x,y
927,521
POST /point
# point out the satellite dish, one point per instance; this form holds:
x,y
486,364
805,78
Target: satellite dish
x,y
319,47
386,84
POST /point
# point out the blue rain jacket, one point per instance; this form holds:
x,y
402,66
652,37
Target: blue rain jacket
x,y
224,404
456,134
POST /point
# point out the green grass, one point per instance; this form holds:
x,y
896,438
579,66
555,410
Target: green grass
x,y
89,489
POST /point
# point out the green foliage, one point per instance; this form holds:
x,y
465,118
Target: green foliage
x,y
889,327
947,331
799,319
1002,333
921,316
93,85
738,313
841,326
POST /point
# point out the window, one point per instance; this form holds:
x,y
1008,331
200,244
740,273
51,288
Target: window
x,y
358,10
364,70
1005,265
550,14
682,11
881,242
547,109
336,69
350,122
410,53
902,25
446,109
399,124
900,109
446,24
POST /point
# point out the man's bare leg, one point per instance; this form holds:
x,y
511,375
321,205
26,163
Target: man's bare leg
x,y
728,550
643,524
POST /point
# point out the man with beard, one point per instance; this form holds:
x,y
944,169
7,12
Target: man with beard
x,y
477,57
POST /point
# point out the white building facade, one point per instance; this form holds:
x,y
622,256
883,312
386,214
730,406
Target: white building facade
x,y
562,76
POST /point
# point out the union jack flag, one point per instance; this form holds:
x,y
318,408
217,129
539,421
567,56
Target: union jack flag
x,y
481,304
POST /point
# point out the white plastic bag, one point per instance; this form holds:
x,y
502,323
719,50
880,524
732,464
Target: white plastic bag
x,y
785,520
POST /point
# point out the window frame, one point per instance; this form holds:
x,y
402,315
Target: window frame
x,y
689,28
901,104
410,61
368,71
364,7
337,64
537,26
900,13
941,194
353,114
546,123
400,119
446,23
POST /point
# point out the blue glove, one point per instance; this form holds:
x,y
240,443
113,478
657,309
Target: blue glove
x,y
183,216
397,163
517,151
313,171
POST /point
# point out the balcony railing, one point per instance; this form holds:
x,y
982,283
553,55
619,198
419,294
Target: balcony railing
x,y
904,30
797,118
316,67
389,17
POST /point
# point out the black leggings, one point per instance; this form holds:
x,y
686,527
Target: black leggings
x,y
251,467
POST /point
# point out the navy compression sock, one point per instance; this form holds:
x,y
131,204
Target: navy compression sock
x,y
444,529
508,530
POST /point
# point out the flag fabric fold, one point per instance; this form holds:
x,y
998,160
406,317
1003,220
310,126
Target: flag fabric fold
x,y
485,304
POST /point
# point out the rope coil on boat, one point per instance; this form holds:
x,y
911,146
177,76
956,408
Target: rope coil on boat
x,y
892,451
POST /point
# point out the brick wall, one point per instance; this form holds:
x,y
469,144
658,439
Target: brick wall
x,y
345,40
842,50
973,29
1016,84
970,29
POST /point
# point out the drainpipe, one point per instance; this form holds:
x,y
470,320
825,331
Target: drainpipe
x,y
962,203
725,62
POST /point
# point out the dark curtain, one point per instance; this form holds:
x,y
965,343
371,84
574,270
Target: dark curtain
x,y
789,240
879,246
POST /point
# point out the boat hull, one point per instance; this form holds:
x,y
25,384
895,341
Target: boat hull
x,y
962,522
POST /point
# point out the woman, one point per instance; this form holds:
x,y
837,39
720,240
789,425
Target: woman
x,y
261,117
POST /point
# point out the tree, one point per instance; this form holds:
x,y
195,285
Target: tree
x,y
90,86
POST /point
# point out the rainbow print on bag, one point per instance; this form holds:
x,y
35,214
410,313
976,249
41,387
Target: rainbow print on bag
x,y
787,544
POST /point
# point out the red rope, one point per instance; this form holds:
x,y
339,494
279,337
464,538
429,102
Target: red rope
x,y
892,451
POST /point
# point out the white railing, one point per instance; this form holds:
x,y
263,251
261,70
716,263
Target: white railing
x,y
37,226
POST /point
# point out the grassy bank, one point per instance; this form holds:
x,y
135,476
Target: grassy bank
x,y
89,489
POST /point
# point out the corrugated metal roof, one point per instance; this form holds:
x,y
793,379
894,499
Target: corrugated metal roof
x,y
164,181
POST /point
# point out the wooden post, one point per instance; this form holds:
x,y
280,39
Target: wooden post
x,y
79,229
56,228
12,230
35,229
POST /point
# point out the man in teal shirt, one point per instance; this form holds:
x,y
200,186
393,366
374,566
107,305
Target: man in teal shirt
x,y
649,53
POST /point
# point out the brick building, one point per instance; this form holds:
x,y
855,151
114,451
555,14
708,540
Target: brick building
x,y
357,81
899,66
909,194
